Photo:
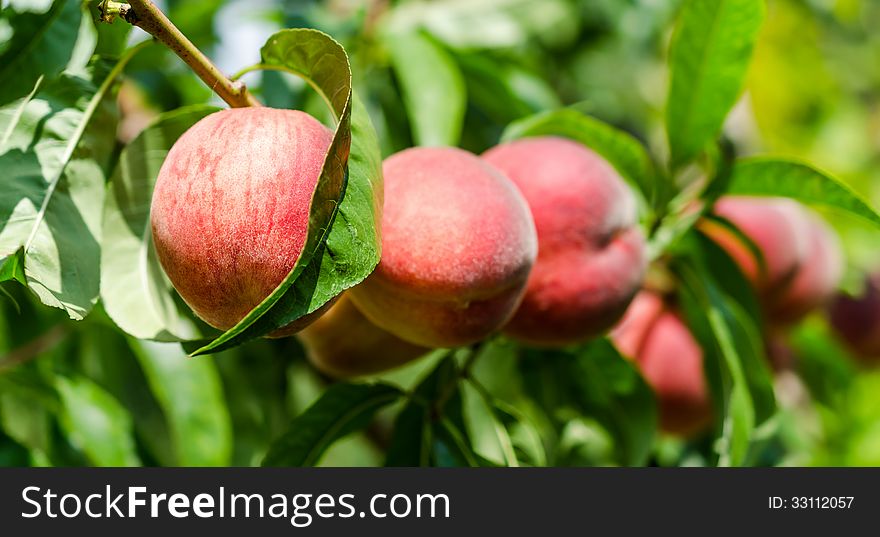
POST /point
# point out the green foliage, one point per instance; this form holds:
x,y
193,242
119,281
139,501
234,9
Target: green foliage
x,y
773,177
430,430
341,410
596,381
710,54
134,289
96,423
40,45
57,148
75,234
432,86
191,397
731,338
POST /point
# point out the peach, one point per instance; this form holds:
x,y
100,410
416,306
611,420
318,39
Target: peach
x,y
856,319
591,257
802,256
814,284
670,359
344,344
230,209
458,243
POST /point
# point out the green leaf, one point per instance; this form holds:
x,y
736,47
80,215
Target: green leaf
x,y
610,389
263,393
191,396
523,433
103,354
825,365
487,422
414,436
55,153
12,267
619,148
134,289
26,420
96,423
504,90
734,358
452,448
432,86
487,24
727,273
711,49
12,454
341,410
40,45
343,242
796,180
595,381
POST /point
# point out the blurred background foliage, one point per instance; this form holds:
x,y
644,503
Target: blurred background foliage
x,y
813,93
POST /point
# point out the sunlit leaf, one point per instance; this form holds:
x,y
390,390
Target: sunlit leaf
x,y
432,86
711,49
777,177
55,151
40,46
191,396
96,423
135,291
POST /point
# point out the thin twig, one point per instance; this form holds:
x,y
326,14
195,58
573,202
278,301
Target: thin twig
x,y
34,348
449,389
145,15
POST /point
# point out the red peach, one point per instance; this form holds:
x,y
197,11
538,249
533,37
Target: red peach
x,y
230,210
814,284
457,247
344,344
802,257
671,361
591,256
856,319
775,226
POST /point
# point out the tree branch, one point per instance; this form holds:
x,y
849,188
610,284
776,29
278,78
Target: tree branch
x,y
145,15
34,348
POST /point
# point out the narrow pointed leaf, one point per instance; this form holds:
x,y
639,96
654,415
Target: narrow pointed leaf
x,y
711,49
191,396
97,423
800,181
341,410
432,86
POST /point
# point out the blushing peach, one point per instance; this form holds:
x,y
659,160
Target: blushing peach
x,y
802,256
230,208
591,257
458,243
775,226
814,284
670,359
344,344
